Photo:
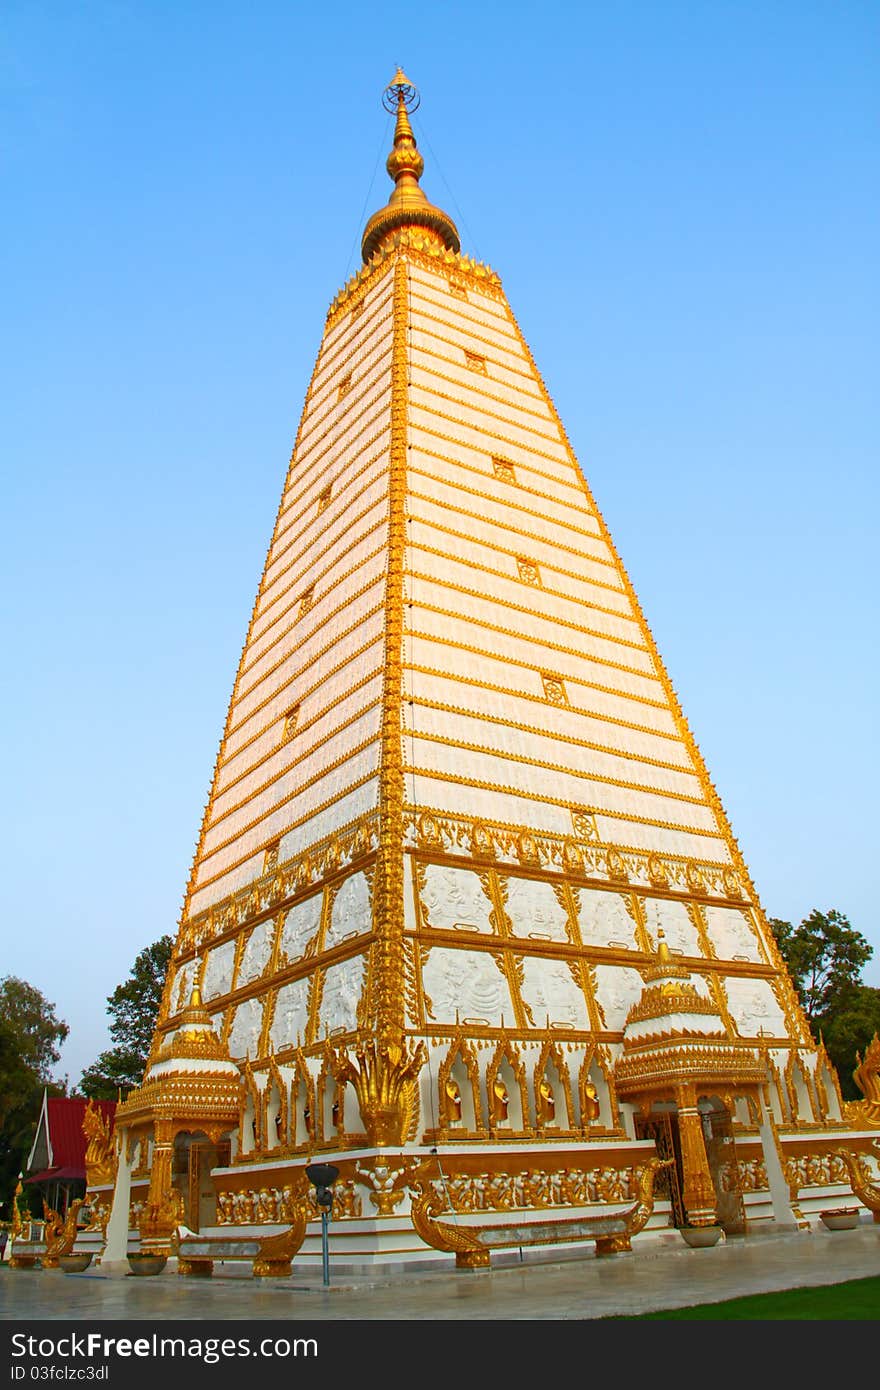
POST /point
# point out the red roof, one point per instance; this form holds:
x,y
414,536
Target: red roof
x,y
64,1115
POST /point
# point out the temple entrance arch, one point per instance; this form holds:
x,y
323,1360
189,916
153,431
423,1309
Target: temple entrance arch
x,y
195,1156
662,1127
723,1165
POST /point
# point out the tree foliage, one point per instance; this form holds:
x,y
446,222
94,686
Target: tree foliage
x,y
38,1032
132,1009
31,1035
825,956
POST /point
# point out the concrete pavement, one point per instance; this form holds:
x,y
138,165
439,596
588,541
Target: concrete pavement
x,y
648,1280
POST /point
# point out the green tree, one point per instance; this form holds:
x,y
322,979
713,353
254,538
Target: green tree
x,y
825,956
132,1008
848,1030
31,1035
32,1019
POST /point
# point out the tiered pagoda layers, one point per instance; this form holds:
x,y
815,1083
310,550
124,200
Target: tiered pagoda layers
x,y
464,893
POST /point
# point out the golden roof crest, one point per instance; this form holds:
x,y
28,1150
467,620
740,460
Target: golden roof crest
x,y
408,206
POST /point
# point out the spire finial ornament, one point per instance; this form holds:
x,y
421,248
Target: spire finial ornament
x,y
408,206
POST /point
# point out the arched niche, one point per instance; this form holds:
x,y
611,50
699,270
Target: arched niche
x,y
827,1085
554,1108
777,1096
507,1092
249,1114
329,1105
459,1103
275,1134
800,1092
303,1119
596,1097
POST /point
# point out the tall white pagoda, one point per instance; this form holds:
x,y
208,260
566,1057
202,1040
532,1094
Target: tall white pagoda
x,y
466,918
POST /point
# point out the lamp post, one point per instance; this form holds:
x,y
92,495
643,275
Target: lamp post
x,y
323,1176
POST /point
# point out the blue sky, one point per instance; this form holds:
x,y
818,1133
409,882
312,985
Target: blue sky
x,y
682,201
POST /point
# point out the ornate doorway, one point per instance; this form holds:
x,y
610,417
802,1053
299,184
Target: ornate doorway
x,y
662,1127
724,1167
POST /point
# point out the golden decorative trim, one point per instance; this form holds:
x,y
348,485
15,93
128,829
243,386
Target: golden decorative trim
x,y
494,548
483,410
388,965
308,691
521,760
376,528
313,859
502,601
505,789
302,753
524,638
472,1244
304,522
484,451
298,791
290,729
310,557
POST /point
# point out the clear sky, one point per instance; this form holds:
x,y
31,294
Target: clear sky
x,y
682,201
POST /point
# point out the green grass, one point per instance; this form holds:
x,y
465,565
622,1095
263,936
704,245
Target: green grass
x,y
858,1299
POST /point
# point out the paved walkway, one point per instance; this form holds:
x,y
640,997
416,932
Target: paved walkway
x,y
581,1288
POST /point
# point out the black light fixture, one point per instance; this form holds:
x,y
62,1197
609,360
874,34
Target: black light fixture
x,y
323,1176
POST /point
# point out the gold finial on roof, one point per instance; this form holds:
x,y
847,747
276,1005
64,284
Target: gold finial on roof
x,y
662,948
408,206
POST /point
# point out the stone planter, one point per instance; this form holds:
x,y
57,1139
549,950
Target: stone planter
x,y
701,1237
75,1264
840,1219
147,1264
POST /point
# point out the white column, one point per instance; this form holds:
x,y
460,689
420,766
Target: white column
x,y
113,1257
780,1196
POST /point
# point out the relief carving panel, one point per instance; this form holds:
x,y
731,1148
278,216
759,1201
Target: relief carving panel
x,y
467,984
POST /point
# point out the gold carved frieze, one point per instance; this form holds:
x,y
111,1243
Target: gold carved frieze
x,y
271,1206
293,878
815,1170
533,1188
585,858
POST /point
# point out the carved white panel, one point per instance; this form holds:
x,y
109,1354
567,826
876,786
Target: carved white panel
x,y
617,989
218,971
343,984
454,898
467,983
535,910
731,934
301,926
351,910
681,934
180,990
244,1035
604,920
256,953
550,991
753,1006
291,1015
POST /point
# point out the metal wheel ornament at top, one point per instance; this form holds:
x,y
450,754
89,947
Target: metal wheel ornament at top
x,y
400,89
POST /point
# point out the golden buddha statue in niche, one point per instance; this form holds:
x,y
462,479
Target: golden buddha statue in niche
x,y
546,1102
500,1101
591,1103
452,1091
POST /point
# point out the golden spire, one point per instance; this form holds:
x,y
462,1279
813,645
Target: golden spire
x,y
408,205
